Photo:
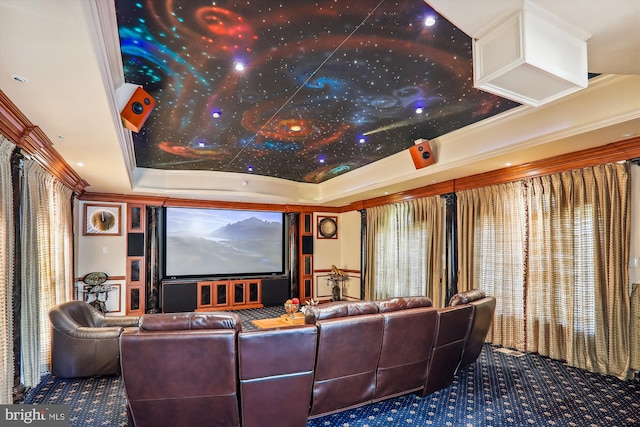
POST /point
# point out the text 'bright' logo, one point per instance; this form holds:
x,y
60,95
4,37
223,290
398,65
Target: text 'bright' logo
x,y
38,415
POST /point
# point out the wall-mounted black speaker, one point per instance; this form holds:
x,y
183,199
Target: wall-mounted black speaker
x,y
135,244
307,245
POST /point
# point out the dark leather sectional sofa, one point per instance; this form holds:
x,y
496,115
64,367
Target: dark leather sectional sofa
x,y
201,369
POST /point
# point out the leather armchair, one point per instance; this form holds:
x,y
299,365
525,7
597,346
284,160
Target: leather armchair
x,y
84,342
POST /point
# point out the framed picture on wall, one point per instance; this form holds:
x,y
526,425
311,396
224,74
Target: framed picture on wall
x,y
101,220
327,227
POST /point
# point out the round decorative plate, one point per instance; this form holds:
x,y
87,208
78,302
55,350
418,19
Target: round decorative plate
x,y
95,278
327,227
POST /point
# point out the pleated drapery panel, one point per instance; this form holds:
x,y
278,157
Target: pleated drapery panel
x,y
404,250
577,280
47,256
7,254
491,255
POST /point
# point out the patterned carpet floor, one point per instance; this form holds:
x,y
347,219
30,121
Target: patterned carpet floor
x,y
498,390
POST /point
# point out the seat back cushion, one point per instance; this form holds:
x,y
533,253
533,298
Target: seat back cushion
x,y
482,320
276,369
182,377
452,328
406,348
348,353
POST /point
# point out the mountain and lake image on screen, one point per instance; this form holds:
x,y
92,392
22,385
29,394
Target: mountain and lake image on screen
x,y
215,242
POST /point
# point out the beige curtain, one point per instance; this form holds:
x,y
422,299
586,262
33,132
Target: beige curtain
x,y
46,267
577,282
491,242
404,250
7,254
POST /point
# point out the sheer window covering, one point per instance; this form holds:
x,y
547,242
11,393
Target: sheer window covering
x,y
491,244
554,249
47,264
7,251
404,246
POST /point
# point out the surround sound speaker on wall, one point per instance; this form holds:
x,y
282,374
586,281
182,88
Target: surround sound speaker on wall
x,y
422,153
137,108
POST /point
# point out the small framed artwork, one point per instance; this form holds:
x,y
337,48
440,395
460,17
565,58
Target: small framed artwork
x,y
101,220
327,227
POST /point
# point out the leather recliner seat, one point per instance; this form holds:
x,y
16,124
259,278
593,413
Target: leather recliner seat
x,y
85,342
202,369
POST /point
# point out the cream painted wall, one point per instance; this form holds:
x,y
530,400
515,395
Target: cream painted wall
x,y
343,252
106,254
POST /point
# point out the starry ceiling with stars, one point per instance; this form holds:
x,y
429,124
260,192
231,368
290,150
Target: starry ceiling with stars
x,y
300,90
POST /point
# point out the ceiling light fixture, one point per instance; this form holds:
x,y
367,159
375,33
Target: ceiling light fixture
x,y
430,21
216,114
419,110
239,66
19,79
295,128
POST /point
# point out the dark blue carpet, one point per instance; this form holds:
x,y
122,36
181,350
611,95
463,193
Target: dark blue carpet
x,y
498,390
503,390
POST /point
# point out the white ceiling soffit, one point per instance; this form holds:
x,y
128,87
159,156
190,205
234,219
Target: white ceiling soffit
x,y
614,25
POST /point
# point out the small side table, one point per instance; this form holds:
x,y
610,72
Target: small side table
x,y
336,283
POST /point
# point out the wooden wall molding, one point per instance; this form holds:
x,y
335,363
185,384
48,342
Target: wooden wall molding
x,y
617,151
16,127
614,152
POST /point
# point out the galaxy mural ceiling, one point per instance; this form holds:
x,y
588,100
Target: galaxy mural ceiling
x,y
300,90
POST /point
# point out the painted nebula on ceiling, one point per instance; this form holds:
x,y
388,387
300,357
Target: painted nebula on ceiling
x,y
300,90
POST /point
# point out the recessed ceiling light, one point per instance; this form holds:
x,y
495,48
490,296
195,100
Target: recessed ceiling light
x,y
80,164
629,135
508,164
362,140
60,136
430,21
250,168
295,128
19,79
419,110
216,114
239,66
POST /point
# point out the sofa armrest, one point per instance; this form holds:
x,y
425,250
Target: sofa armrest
x,y
98,333
123,321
